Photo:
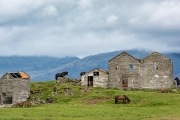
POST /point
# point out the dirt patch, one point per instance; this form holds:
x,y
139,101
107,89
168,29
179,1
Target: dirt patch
x,y
95,101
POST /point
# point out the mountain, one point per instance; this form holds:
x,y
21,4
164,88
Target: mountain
x,y
45,68
176,60
32,64
101,61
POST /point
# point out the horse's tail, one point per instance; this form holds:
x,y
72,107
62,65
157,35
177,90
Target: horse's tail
x,y
56,77
116,101
127,98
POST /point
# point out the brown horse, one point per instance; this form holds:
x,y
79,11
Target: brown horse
x,y
123,97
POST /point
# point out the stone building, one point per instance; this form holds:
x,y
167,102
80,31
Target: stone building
x,y
95,78
154,71
14,87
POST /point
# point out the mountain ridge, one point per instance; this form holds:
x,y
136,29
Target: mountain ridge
x,y
45,68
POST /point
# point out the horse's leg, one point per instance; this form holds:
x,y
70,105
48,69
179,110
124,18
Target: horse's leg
x,y
116,101
56,77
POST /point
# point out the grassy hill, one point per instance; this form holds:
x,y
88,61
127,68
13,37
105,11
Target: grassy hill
x,y
65,99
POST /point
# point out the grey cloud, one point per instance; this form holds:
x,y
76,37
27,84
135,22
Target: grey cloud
x,y
85,27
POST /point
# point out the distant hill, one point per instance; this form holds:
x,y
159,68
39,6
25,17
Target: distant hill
x,y
45,68
32,64
176,60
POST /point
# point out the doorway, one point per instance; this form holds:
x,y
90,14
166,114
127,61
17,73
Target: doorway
x,y
90,81
124,81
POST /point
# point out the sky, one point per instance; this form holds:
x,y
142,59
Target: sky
x,y
61,28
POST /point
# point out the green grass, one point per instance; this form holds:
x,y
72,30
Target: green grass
x,y
98,103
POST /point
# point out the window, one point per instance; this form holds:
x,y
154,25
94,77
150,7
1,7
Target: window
x,y
117,67
124,56
96,73
154,66
7,98
131,67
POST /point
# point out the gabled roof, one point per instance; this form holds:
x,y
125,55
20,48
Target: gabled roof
x,y
102,70
155,53
126,54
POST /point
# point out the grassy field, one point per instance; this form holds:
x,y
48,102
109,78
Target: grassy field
x,y
79,103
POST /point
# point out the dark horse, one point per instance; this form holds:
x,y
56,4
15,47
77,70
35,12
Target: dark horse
x,y
61,74
178,81
123,97
82,73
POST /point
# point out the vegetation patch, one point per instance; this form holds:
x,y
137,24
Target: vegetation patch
x,y
54,101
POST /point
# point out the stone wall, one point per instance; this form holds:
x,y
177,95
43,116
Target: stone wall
x,y
123,66
155,71
14,90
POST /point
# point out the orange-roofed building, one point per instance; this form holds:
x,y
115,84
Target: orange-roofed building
x,y
14,87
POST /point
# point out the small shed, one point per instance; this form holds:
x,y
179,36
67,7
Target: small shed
x,y
14,87
95,78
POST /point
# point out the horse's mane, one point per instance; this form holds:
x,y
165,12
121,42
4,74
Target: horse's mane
x,y
176,78
82,73
61,74
127,98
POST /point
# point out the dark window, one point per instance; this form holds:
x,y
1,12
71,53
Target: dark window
x,y
4,94
7,100
96,73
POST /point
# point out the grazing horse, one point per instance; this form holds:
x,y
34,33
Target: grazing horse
x,y
82,73
123,97
61,74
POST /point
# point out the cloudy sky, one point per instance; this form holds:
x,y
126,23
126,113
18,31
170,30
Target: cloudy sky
x,y
87,27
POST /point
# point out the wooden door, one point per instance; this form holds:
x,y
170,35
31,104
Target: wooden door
x,y
125,81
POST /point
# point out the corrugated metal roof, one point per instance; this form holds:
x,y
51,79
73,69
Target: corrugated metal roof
x,y
24,75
